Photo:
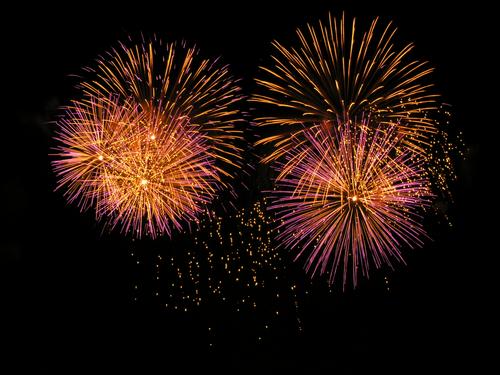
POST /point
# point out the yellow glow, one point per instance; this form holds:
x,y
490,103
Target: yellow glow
x,y
153,137
144,182
354,198
101,157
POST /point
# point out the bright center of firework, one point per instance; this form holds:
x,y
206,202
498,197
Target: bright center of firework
x,y
354,198
100,157
144,182
153,137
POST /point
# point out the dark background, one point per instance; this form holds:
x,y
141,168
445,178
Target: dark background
x,y
66,287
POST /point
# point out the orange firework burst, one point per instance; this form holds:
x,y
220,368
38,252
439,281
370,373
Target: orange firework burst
x,y
339,73
173,80
142,171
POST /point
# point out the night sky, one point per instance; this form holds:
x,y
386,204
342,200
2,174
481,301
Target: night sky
x,y
76,299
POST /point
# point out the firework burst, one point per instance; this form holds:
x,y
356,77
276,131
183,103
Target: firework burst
x,y
337,72
173,80
349,195
152,139
141,170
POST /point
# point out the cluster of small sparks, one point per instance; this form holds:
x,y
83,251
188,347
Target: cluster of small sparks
x,y
446,146
357,145
227,261
153,139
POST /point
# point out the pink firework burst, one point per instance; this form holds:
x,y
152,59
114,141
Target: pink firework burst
x,y
142,171
350,195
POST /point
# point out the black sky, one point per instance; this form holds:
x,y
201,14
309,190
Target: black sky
x,y
66,287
